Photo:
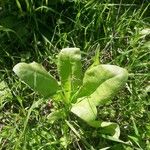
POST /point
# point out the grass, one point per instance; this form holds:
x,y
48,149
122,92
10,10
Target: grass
x,y
36,31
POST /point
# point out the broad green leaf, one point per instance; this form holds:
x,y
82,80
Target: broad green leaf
x,y
110,86
37,78
116,139
85,110
110,128
100,83
107,128
70,70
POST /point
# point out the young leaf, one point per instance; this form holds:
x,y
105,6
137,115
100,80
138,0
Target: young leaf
x,y
100,83
37,78
70,70
85,110
110,86
111,129
107,128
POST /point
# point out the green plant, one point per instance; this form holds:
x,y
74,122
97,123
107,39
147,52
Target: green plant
x,y
81,93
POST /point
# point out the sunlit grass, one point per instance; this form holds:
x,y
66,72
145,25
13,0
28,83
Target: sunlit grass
x,y
36,31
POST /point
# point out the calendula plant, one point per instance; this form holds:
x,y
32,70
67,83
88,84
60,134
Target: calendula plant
x,y
81,93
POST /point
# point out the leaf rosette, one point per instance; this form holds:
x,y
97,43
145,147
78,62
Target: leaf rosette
x,y
83,93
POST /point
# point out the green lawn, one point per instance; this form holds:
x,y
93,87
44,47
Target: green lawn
x,y
36,31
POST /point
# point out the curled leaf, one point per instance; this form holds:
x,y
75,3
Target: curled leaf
x,y
100,84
